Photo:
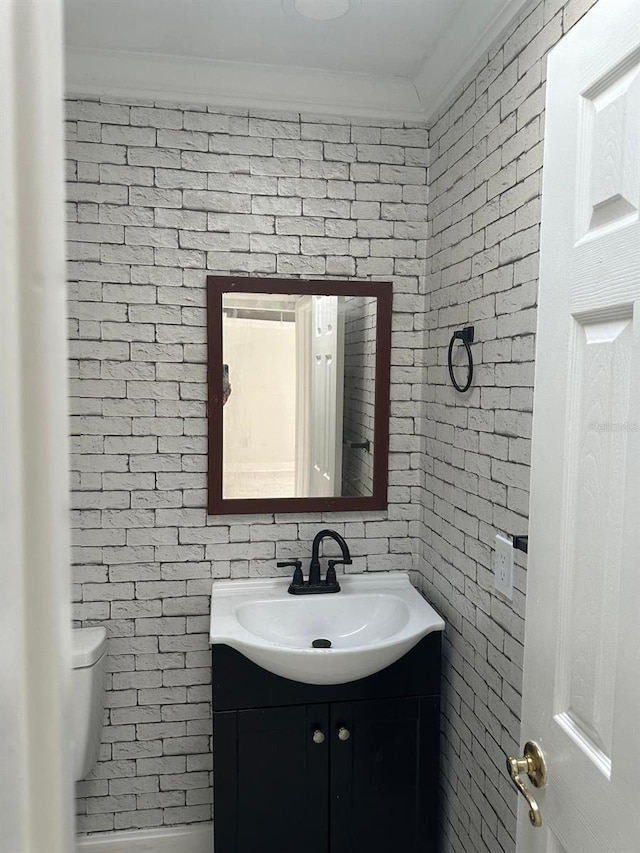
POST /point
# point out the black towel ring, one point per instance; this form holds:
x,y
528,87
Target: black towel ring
x,y
465,336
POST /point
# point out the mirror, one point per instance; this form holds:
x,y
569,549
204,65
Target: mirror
x,y
298,394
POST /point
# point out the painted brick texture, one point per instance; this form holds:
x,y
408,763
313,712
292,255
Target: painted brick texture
x,y
485,179
159,195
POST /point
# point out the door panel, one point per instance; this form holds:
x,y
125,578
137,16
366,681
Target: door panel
x,y
384,778
225,801
581,699
303,395
280,798
327,390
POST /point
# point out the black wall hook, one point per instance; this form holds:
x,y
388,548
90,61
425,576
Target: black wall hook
x,y
465,336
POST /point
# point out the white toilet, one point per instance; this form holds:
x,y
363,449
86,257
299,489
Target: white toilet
x,y
88,682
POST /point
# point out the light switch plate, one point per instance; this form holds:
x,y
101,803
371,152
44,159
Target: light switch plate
x,y
503,566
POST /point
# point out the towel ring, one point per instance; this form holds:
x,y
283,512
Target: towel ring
x,y
465,336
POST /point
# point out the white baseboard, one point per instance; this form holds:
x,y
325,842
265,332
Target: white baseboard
x,y
179,839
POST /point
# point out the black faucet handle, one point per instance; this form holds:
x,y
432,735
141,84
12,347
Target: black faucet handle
x,y
297,564
331,579
344,562
298,579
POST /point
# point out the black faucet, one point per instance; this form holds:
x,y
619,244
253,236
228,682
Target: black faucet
x,y
314,584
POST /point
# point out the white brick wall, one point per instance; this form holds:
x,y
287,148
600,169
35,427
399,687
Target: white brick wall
x,y
159,196
484,211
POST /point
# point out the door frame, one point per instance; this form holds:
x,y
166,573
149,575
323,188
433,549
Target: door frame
x,y
37,793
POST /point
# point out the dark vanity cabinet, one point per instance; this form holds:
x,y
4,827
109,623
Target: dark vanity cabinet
x,y
349,768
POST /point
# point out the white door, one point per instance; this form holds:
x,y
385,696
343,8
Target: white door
x,y
581,699
327,388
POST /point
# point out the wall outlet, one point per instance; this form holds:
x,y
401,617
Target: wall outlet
x,y
503,566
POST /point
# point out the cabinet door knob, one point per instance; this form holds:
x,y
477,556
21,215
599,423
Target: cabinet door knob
x,y
343,733
318,736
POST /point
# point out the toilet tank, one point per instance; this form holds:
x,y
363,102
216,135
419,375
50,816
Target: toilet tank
x,y
88,682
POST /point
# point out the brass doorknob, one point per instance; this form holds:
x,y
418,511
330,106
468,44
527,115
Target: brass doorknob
x,y
532,764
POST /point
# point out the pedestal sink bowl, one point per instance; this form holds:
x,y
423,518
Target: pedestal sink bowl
x,y
369,625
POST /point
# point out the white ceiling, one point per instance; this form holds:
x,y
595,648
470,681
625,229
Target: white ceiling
x,y
396,58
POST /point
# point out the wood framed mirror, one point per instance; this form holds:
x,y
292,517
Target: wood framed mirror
x,y
298,380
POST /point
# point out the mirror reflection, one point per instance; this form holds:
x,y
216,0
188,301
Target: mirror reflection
x,y
299,395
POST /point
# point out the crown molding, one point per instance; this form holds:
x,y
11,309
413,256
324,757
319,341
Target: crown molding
x,y
165,77
468,37
239,84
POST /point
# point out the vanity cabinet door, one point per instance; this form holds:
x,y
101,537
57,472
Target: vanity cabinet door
x,y
384,775
271,771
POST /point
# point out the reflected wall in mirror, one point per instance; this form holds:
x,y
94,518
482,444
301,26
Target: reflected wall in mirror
x,y
299,394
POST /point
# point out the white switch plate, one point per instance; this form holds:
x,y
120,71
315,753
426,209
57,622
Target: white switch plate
x,y
503,566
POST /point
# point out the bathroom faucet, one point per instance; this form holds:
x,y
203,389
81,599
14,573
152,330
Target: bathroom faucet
x,y
314,584
314,566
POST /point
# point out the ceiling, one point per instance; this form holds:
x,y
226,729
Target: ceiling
x,y
394,58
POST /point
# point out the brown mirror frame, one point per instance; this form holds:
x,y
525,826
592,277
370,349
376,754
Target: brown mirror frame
x,y
217,286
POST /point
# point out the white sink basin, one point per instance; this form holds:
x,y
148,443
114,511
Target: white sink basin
x,y
371,622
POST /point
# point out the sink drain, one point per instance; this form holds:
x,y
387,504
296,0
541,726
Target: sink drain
x,y
321,644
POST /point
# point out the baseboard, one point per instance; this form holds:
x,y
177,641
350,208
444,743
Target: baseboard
x,y
178,839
